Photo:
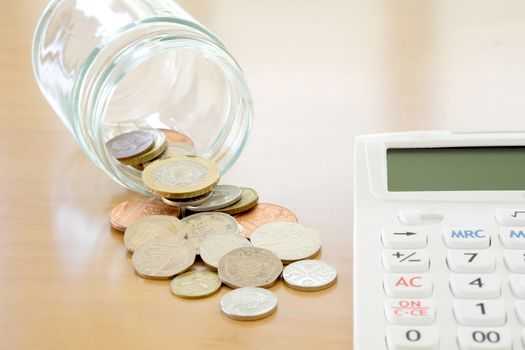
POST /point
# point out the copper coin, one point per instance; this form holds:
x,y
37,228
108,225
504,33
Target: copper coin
x,y
263,213
126,213
175,136
130,144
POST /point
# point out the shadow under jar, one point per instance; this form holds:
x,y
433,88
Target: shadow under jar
x,y
112,66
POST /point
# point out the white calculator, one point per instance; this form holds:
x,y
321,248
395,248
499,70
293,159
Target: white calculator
x,y
439,241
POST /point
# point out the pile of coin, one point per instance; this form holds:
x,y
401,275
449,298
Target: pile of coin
x,y
244,244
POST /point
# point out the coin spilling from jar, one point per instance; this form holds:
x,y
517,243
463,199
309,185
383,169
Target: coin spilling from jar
x,y
244,244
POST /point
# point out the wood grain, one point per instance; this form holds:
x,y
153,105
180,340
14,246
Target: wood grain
x,y
321,72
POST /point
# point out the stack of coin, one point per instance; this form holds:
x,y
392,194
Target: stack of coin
x,y
245,244
139,148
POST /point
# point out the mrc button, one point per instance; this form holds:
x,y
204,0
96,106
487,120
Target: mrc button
x,y
513,237
466,238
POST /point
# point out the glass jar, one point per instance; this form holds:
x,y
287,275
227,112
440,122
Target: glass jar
x,y
111,66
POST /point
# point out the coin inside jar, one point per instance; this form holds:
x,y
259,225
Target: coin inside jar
x,y
159,146
249,267
248,304
221,196
130,144
174,149
309,275
175,136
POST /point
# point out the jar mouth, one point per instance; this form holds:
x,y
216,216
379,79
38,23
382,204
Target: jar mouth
x,y
110,96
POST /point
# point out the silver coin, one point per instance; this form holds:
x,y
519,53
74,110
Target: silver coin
x,y
203,225
248,303
187,201
222,196
290,241
130,144
309,275
174,149
178,149
213,248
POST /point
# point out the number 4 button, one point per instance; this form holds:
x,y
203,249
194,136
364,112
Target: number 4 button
x,y
482,286
420,338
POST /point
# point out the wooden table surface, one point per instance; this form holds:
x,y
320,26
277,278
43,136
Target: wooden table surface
x,y
321,72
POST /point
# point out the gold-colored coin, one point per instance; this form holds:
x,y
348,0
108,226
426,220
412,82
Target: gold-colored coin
x,y
195,284
249,199
150,227
290,241
159,146
250,267
181,177
163,257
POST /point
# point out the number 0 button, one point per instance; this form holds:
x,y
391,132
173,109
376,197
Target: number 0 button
x,y
404,338
470,338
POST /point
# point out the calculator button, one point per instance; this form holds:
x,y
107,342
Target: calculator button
x,y
405,260
478,338
520,311
479,312
466,238
513,237
412,338
511,217
410,311
419,216
472,286
471,261
403,239
517,285
515,260
400,285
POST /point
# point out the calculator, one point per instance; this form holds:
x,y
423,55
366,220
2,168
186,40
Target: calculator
x,y
439,241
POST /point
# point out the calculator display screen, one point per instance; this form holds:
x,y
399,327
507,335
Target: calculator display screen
x,y
456,169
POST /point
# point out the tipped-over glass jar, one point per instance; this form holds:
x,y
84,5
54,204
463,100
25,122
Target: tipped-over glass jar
x,y
111,66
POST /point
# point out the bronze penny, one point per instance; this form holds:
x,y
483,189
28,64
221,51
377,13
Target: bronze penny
x,y
126,213
175,136
263,213
249,267
130,144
